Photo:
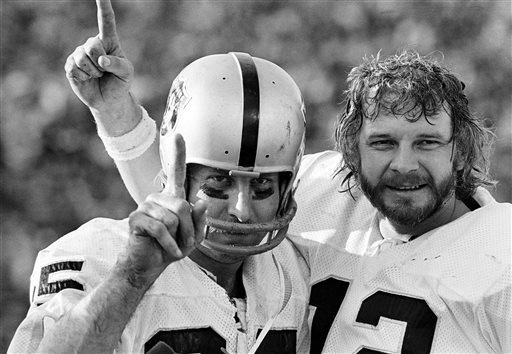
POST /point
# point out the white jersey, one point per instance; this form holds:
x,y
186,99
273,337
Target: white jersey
x,y
447,291
184,308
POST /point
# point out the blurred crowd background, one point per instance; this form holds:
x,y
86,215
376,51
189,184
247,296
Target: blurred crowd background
x,y
55,174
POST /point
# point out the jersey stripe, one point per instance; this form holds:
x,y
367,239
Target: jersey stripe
x,y
251,118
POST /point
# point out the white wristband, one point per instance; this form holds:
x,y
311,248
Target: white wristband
x,y
132,144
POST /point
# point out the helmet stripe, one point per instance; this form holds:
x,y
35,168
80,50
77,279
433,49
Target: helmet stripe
x,y
251,118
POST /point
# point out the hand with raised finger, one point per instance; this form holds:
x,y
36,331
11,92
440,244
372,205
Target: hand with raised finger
x,y
100,74
166,227
192,218
152,245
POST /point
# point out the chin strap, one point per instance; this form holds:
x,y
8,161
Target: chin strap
x,y
286,285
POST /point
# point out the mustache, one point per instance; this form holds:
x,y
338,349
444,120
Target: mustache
x,y
400,180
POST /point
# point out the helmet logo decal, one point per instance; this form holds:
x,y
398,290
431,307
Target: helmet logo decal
x,y
177,100
251,119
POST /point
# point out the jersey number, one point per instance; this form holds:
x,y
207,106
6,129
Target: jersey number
x,y
328,295
206,340
193,340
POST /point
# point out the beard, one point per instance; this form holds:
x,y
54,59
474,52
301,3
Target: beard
x,y
403,210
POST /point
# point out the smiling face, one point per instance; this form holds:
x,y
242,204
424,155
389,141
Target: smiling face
x,y
407,168
238,199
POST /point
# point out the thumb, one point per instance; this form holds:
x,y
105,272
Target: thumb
x,y
120,67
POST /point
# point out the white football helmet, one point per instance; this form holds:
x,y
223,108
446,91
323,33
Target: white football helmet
x,y
245,115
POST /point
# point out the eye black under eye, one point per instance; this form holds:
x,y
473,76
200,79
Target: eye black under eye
x,y
263,193
213,192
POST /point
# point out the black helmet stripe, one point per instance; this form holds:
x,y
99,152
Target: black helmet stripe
x,y
251,117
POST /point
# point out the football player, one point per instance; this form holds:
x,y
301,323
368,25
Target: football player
x,y
417,251
168,278
415,255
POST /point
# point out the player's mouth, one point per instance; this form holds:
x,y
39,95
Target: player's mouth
x,y
407,188
232,238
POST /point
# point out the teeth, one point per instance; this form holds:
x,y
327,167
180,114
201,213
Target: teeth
x,y
407,188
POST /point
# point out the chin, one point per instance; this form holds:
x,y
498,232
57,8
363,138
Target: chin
x,y
405,217
409,212
227,258
219,257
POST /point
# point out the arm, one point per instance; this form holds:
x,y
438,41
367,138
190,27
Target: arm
x,y
140,175
100,75
96,323
163,230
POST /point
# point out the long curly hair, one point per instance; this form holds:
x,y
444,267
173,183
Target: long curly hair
x,y
412,86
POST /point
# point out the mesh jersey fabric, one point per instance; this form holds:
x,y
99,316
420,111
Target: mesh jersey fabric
x,y
183,298
447,291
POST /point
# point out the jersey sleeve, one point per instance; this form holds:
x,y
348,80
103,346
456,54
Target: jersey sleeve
x,y
63,274
494,311
325,214
315,186
40,319
495,314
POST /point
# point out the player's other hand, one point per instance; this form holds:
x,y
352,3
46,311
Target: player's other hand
x,y
98,71
165,227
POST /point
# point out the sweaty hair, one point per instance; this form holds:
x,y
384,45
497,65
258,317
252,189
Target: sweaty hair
x,y
412,86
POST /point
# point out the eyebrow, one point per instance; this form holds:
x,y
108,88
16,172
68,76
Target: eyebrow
x,y
220,171
379,136
433,135
269,175
420,136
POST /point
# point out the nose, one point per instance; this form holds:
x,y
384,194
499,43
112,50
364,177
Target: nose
x,y
404,160
241,207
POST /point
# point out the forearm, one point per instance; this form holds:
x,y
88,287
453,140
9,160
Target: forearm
x,y
140,175
130,141
96,323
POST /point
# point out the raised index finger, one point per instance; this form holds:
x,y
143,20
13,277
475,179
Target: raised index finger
x,y
175,168
106,20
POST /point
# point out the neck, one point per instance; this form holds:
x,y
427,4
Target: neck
x,y
451,210
228,275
